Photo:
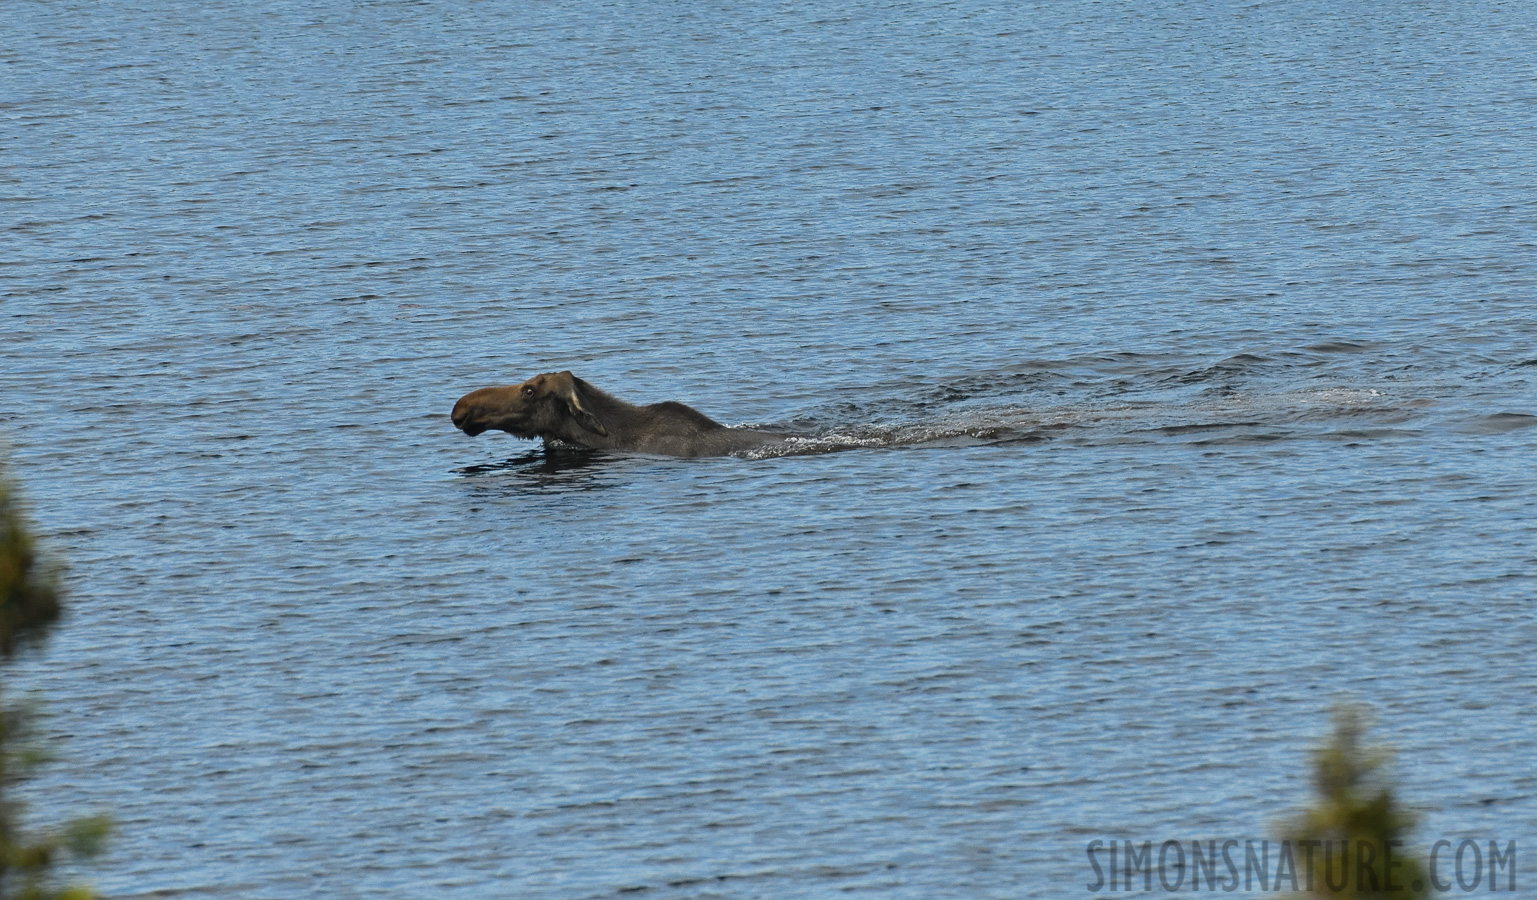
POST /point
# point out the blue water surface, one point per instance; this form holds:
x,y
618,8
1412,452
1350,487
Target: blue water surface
x,y
1186,351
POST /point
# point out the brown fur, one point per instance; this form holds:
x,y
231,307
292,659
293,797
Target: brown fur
x,y
560,406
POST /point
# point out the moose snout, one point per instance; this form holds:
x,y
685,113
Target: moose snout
x,y
464,421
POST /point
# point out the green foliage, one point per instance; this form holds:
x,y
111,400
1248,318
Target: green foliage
x,y
29,605
29,596
1355,823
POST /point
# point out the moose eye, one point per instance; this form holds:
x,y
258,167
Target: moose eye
x,y
528,390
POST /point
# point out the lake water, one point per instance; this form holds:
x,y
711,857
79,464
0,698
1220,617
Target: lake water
x,y
1189,349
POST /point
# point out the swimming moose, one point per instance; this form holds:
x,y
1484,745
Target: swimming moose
x,y
560,406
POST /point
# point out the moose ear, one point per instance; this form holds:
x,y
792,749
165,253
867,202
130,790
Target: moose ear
x,y
567,391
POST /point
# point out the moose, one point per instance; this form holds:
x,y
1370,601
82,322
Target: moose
x,y
559,406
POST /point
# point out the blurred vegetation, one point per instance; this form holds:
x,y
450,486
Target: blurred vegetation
x,y
29,606
1355,823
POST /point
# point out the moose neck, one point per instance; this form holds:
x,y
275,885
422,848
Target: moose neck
x,y
618,417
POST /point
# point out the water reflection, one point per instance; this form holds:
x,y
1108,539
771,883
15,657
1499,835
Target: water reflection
x,y
544,467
